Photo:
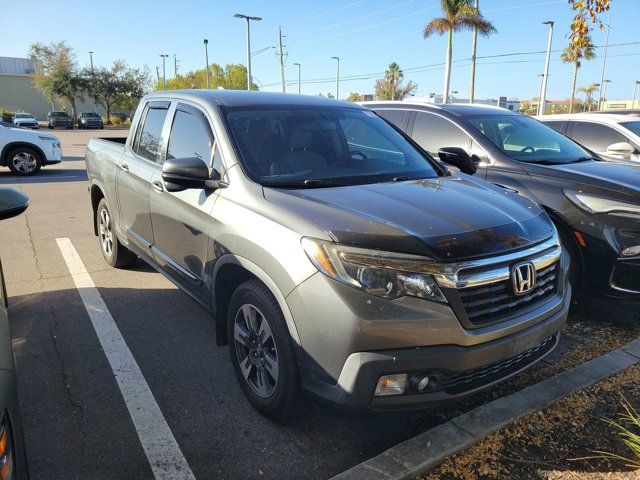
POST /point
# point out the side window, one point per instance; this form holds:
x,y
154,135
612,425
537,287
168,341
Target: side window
x,y
150,135
397,117
433,132
190,136
557,126
594,136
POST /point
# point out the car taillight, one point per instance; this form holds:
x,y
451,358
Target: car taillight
x,y
6,451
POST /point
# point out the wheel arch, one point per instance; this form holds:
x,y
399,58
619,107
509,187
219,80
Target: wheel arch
x,y
13,145
564,228
96,195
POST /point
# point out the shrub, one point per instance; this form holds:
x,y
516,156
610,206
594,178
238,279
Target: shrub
x,y
6,116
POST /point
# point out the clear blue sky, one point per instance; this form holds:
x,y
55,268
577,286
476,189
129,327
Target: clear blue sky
x,y
366,34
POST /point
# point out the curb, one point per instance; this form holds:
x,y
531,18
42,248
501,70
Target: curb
x,y
426,451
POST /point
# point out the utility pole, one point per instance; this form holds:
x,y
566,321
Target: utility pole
x,y
206,61
93,82
248,19
175,65
337,59
604,62
543,93
164,72
635,88
603,92
299,88
474,46
158,74
284,87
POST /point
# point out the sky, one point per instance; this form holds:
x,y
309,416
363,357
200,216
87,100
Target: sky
x,y
366,34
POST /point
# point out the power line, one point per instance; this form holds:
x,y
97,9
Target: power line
x,y
515,7
344,7
333,25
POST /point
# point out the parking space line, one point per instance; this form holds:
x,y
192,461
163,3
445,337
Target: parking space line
x,y
160,446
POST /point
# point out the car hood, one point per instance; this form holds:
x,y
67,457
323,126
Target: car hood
x,y
447,218
620,177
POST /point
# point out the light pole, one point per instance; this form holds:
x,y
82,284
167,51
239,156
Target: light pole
x,y
337,59
164,72
543,93
93,82
474,47
206,61
603,92
635,88
299,67
604,63
451,97
248,19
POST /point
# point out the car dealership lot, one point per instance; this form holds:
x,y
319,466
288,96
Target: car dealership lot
x,y
76,422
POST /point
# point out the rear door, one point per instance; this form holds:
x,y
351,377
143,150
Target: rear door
x,y
133,182
599,137
182,221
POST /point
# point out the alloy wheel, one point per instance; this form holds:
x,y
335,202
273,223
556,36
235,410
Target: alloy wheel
x,y
106,236
24,162
256,350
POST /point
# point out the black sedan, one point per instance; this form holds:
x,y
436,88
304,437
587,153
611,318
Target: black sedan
x,y
594,204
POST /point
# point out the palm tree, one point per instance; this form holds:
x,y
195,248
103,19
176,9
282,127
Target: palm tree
x,y
394,76
458,15
588,91
574,53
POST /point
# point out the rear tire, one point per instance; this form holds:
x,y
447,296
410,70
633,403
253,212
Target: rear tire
x,y
113,252
262,353
24,161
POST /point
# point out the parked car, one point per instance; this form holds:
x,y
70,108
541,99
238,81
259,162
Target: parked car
x,y
25,152
594,204
13,459
90,120
59,119
335,255
614,137
25,120
621,111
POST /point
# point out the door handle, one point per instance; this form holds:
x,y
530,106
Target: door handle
x,y
157,186
124,167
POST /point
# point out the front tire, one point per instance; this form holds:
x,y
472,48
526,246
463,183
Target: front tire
x,y
113,252
262,352
24,161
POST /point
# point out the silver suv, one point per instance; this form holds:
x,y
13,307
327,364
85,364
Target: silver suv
x,y
335,255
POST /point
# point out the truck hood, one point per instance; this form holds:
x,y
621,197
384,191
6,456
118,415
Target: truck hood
x,y
447,218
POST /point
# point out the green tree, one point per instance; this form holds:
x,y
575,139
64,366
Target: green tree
x,y
528,109
57,75
589,91
354,97
231,77
574,53
391,86
458,15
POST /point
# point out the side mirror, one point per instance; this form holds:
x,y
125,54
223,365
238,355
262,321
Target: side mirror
x,y
12,202
184,173
621,148
459,158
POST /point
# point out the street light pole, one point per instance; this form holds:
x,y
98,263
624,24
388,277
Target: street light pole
x,y
93,82
164,72
603,92
604,63
337,59
474,46
206,61
299,67
543,93
248,19
635,88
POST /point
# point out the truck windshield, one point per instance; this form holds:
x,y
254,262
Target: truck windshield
x,y
90,115
313,147
59,114
527,140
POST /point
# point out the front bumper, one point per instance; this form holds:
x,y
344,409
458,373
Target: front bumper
x,y
53,154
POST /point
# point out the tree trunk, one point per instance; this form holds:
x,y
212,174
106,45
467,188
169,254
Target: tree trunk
x,y
72,103
573,86
447,68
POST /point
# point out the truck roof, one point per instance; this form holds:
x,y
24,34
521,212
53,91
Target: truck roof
x,y
243,98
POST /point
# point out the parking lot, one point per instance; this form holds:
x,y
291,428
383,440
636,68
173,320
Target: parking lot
x,y
76,422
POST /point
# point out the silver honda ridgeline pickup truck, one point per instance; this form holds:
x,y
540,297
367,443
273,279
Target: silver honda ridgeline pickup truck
x,y
335,255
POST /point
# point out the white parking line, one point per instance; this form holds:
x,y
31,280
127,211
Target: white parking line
x,y
158,442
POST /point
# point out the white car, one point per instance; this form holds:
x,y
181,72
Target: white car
x,y
25,152
25,120
612,136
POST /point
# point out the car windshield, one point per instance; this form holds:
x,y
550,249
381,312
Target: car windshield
x,y
633,126
59,114
23,115
527,140
90,115
311,147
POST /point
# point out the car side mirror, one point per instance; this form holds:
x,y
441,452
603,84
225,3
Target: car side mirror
x,y
458,157
12,202
181,174
621,148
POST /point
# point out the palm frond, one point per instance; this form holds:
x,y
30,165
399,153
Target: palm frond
x,y
436,25
474,20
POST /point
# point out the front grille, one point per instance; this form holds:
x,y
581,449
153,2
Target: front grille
x,y
490,303
472,379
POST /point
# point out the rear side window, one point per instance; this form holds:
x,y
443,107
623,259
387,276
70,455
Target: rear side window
x,y
190,135
557,126
396,117
594,136
433,132
150,136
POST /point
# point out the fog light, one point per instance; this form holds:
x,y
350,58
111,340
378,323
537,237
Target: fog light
x,y
392,385
631,251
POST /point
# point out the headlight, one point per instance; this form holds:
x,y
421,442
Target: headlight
x,y
383,274
595,204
